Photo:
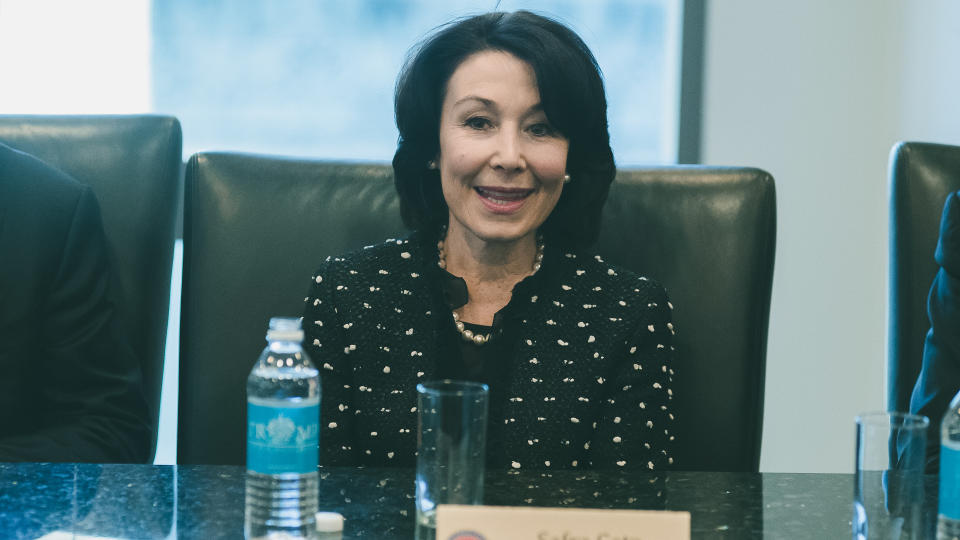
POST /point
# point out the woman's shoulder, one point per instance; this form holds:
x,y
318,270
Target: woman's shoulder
x,y
391,255
594,276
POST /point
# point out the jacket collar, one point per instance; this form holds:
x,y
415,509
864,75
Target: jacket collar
x,y
452,290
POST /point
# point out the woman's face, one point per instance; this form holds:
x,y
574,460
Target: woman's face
x,y
501,162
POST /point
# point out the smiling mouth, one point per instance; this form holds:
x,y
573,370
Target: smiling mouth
x,y
503,196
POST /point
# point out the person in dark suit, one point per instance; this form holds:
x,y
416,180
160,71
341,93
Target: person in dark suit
x,y
70,385
939,378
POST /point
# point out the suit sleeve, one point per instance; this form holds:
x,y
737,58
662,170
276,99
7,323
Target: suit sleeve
x,y
89,392
323,341
939,378
636,429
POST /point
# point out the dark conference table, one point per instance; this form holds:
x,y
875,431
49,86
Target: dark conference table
x,y
146,501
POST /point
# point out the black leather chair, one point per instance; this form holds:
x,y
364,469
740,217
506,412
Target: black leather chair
x,y
133,164
921,177
708,235
256,227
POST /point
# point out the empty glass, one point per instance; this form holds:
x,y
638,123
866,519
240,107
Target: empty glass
x,y
888,489
451,448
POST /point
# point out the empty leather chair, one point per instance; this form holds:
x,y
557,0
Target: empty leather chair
x,y
921,177
133,165
256,227
708,235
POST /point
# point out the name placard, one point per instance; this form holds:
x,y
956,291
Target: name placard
x,y
460,522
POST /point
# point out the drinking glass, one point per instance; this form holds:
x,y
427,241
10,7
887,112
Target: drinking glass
x,y
451,447
888,489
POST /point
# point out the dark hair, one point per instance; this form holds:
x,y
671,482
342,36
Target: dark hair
x,y
571,92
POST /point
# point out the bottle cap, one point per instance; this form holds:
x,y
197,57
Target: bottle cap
x,y
329,522
284,329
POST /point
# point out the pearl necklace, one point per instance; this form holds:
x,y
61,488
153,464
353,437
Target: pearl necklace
x,y
465,333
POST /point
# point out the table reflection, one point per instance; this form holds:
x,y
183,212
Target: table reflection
x,y
43,500
142,501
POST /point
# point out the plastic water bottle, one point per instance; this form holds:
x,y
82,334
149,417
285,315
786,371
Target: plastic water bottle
x,y
283,428
948,513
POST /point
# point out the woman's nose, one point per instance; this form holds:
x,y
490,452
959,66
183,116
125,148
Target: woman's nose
x,y
508,154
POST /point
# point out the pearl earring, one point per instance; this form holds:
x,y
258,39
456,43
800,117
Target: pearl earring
x,y
566,179
432,164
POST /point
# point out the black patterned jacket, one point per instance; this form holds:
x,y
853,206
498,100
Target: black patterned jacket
x,y
588,384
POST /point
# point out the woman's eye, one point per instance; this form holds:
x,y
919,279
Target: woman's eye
x,y
477,122
541,130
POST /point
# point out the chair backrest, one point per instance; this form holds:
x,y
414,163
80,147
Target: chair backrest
x,y
708,235
921,177
256,227
133,165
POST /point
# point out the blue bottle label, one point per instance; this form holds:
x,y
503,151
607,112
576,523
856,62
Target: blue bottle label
x,y
282,436
949,505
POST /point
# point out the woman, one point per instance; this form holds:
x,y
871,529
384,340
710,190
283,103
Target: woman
x,y
502,168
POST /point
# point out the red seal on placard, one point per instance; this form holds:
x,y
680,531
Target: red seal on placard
x,y
466,535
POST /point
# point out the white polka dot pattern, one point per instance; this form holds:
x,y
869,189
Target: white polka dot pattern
x,y
590,384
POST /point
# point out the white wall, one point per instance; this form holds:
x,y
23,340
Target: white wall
x,y
65,57
816,93
929,103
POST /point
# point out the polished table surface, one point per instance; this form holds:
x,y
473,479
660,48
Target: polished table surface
x,y
144,501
